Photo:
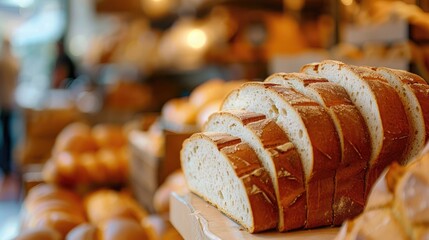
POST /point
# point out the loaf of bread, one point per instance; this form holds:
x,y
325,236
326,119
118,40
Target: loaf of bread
x,y
381,107
398,207
346,123
277,154
310,128
226,172
349,199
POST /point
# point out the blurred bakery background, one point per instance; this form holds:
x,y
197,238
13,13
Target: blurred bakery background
x,y
97,96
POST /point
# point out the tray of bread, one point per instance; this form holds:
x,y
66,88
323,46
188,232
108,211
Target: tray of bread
x,y
303,150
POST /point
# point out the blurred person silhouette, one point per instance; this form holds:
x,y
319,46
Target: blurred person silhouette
x,y
64,71
9,70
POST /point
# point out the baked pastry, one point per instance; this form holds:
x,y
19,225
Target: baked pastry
x,y
47,206
398,207
175,182
380,106
120,206
277,154
349,199
310,128
227,173
38,233
88,156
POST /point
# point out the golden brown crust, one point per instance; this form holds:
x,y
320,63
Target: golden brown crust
x,y
326,155
395,126
287,165
255,178
349,197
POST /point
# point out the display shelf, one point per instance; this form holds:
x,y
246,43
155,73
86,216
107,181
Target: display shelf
x,y
196,219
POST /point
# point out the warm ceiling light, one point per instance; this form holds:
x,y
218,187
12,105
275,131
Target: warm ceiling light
x,y
347,2
196,38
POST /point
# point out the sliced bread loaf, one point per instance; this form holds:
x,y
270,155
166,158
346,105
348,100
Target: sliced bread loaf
x,y
380,106
414,93
227,173
349,197
277,154
310,129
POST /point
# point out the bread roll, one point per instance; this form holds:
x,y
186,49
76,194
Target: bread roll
x,y
174,183
119,205
45,192
109,136
207,92
118,229
39,233
109,161
84,231
179,111
75,138
63,222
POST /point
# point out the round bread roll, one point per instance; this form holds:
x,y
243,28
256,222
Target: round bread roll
x,y
57,205
62,222
45,192
50,172
84,231
76,137
109,136
39,233
118,229
108,160
91,167
179,111
174,183
207,92
67,167
208,110
119,205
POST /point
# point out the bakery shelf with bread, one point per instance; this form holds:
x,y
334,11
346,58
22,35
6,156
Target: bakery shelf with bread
x,y
88,156
52,212
345,123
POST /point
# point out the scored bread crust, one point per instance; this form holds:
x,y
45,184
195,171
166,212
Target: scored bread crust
x,y
349,197
380,106
255,181
414,93
303,120
278,155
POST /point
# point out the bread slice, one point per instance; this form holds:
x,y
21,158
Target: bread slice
x,y
310,129
414,93
277,154
227,173
380,106
354,138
